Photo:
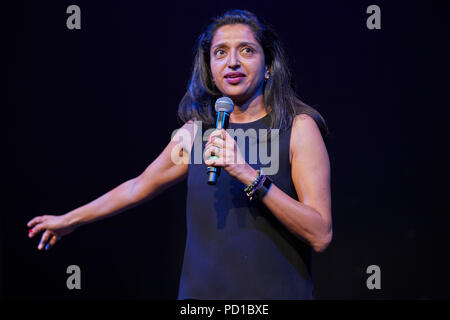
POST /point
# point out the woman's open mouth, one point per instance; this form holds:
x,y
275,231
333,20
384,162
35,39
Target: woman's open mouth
x,y
234,77
234,80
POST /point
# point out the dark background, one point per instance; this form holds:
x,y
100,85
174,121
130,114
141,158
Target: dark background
x,y
88,109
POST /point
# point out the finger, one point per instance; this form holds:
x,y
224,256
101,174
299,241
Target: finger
x,y
214,162
207,155
36,230
215,133
219,147
213,151
225,134
210,162
231,151
215,159
218,142
34,221
44,239
52,242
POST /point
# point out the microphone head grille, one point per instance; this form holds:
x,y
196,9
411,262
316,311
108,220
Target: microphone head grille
x,y
224,104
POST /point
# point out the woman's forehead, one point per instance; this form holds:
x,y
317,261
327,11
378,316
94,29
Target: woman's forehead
x,y
233,33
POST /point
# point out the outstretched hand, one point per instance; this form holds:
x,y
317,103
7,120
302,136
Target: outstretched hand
x,y
54,228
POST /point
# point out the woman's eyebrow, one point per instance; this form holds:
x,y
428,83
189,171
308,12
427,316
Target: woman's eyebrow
x,y
241,44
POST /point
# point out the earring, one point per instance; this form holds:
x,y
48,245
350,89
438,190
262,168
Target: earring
x,y
267,76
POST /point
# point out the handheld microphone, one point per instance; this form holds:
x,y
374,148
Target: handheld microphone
x,y
224,107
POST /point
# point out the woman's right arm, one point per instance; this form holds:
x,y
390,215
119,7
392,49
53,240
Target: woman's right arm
x,y
169,168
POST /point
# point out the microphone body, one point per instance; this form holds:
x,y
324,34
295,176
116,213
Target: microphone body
x,y
224,106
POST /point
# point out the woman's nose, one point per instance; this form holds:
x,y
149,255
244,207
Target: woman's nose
x,y
233,60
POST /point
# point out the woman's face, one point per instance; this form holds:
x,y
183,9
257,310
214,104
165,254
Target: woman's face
x,y
237,62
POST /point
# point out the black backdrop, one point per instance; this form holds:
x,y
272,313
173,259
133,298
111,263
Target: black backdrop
x,y
88,109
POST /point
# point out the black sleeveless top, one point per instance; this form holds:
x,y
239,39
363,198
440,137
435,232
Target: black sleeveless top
x,y
236,248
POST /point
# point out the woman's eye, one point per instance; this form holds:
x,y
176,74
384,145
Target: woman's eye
x,y
247,50
219,52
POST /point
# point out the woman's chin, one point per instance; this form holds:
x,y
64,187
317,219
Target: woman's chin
x,y
235,95
238,99
239,94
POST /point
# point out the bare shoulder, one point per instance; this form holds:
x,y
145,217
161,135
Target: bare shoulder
x,y
305,134
185,135
191,125
304,121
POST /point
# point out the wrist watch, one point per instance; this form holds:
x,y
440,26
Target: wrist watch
x,y
262,190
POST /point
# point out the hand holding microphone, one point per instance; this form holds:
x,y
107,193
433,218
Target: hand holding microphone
x,y
224,106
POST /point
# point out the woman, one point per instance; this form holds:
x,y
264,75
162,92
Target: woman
x,y
246,239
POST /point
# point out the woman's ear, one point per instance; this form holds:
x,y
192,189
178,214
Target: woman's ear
x,y
267,74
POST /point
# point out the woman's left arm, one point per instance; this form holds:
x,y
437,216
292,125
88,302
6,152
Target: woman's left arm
x,y
310,217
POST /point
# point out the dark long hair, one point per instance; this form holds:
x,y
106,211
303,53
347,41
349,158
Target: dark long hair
x,y
278,90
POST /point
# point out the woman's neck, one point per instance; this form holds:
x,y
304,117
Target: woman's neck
x,y
251,110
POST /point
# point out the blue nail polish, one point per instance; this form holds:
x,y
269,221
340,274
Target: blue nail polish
x,y
46,246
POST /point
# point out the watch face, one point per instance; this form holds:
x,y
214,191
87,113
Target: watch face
x,y
261,191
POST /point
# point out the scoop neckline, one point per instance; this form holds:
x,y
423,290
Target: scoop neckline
x,y
257,120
